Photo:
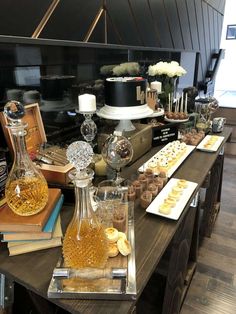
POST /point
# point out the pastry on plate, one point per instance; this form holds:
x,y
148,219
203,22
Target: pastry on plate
x,y
112,234
165,209
182,183
112,250
124,246
170,201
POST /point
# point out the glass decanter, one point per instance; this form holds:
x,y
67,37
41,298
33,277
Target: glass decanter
x,y
85,243
26,189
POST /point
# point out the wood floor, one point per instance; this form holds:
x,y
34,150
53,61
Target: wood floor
x,y
213,288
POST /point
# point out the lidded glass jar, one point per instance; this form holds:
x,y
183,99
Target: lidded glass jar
x,y
26,189
117,152
85,243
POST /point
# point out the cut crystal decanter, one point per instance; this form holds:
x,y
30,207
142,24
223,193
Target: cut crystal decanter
x,y
26,189
85,243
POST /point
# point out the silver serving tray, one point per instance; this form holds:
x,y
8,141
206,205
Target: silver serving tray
x,y
123,288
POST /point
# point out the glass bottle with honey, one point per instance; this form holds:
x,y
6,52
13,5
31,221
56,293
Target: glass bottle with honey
x,y
26,189
85,243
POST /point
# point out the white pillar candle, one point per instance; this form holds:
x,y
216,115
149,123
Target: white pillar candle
x,y
87,103
156,85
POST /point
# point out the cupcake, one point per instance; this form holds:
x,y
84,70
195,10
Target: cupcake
x,y
153,165
159,183
137,187
131,193
145,199
153,189
163,176
149,175
143,180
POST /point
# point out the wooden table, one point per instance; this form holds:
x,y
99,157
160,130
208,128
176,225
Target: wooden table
x,y
154,236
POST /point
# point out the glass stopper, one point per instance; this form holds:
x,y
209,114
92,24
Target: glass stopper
x,y
14,110
79,154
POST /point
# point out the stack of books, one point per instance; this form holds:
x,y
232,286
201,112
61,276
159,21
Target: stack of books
x,y
25,234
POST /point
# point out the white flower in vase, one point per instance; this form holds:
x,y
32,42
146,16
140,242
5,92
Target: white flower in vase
x,y
167,73
127,68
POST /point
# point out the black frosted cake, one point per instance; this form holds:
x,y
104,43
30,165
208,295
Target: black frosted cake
x,y
125,91
125,99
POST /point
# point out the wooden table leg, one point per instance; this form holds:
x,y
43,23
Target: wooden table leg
x,y
178,264
212,198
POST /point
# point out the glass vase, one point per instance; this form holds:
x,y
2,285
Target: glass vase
x,y
169,89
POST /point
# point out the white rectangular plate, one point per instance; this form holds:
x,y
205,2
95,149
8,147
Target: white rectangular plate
x,y
176,211
214,147
189,149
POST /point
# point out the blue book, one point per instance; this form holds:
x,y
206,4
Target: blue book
x,y
46,233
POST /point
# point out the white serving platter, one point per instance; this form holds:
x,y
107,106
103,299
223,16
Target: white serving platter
x,y
171,170
176,211
157,113
175,120
214,147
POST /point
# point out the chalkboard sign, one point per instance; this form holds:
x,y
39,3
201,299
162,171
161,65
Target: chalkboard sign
x,y
164,134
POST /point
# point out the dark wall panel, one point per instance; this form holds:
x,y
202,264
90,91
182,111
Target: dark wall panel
x,y
191,9
121,16
218,5
162,25
20,18
211,28
98,35
220,25
206,29
145,25
174,24
184,24
71,20
202,41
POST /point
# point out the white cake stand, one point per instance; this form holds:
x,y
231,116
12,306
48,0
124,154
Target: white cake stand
x,y
125,115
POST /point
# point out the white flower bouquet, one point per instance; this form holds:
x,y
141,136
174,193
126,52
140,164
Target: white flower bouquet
x,y
167,73
127,68
171,69
130,68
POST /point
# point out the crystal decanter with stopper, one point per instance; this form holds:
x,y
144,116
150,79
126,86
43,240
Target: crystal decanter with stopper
x,y
85,244
26,189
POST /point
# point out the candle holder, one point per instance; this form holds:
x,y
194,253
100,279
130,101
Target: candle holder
x,y
87,107
88,128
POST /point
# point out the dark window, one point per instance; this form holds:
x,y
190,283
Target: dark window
x,y
231,32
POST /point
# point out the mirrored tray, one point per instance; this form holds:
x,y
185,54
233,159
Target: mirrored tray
x,y
121,270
